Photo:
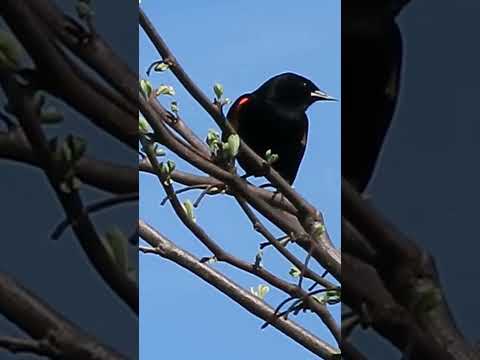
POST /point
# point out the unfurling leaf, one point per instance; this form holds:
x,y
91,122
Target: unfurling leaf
x,y
330,297
158,150
428,296
261,291
160,67
143,126
270,157
188,208
171,166
77,146
66,156
233,145
84,9
166,170
213,141
212,137
116,244
10,51
146,88
165,90
218,90
318,230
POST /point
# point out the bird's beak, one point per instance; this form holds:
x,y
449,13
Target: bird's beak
x,y
320,95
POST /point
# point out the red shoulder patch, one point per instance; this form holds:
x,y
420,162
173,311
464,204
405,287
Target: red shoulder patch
x,y
243,101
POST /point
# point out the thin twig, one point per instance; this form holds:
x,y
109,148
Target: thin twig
x,y
183,190
207,191
259,227
93,208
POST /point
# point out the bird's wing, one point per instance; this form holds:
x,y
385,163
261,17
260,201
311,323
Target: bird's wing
x,y
234,110
304,140
291,156
396,57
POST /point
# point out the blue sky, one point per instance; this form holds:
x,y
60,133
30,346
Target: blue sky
x,y
239,44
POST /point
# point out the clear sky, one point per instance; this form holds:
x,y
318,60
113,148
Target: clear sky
x,y
239,44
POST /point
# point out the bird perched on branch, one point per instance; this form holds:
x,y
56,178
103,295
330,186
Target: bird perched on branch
x,y
272,122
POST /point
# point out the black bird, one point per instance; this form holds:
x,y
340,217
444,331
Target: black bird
x,y
273,118
372,52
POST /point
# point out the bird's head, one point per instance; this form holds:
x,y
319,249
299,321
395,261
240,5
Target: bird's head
x,y
293,91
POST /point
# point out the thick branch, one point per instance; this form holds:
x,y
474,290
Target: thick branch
x,y
60,79
254,305
45,325
363,291
95,52
222,255
188,179
118,179
402,270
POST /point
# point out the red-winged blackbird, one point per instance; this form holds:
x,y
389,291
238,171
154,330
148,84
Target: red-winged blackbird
x,y
273,118
371,67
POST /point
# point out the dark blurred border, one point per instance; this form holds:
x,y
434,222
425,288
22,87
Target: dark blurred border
x,y
68,179
410,83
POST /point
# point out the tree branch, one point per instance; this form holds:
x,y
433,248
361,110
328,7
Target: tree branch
x,y
104,175
52,334
95,52
251,303
398,273
328,256
23,106
61,79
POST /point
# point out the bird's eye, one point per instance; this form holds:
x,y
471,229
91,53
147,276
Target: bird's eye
x,y
305,84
